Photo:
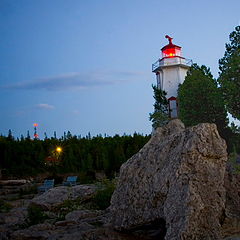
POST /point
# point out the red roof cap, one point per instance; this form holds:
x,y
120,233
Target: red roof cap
x,y
170,44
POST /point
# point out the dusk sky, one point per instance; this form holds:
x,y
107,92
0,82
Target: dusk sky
x,y
85,66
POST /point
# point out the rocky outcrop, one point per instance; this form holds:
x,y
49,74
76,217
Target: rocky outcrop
x,y
231,217
178,178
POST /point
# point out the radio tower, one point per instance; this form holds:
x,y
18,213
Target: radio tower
x,y
35,131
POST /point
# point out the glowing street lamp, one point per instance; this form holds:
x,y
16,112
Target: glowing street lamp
x,y
55,158
58,152
59,149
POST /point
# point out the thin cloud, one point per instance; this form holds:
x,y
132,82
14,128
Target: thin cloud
x,y
45,106
76,112
76,81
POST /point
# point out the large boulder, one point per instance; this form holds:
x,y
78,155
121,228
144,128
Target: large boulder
x,y
177,177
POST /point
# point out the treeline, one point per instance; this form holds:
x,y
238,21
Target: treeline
x,y
82,155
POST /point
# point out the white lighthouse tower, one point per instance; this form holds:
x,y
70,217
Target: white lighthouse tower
x,y
171,71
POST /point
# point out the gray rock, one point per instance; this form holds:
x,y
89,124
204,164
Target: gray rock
x,y
57,195
78,215
74,232
50,232
39,232
231,216
178,176
15,216
65,223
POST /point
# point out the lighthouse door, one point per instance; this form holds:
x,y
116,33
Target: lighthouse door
x,y
173,112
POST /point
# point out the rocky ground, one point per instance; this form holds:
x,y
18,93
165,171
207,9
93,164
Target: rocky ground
x,y
178,186
58,214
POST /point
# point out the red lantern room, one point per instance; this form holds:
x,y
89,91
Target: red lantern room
x,y
170,50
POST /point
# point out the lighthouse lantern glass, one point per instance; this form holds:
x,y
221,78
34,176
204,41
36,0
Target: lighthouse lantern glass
x,y
171,52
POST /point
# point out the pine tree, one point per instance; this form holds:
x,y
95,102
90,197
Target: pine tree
x,y
10,136
200,99
229,78
160,115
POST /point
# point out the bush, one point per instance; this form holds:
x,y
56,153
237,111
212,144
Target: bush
x,y
35,215
103,196
87,177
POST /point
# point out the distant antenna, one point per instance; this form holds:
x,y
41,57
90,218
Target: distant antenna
x,y
35,131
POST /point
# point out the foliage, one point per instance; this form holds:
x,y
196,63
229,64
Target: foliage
x,y
86,177
67,206
200,99
80,155
235,138
160,115
35,215
4,206
103,196
229,78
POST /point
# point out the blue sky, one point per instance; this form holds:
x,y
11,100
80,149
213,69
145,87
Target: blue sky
x,y
85,66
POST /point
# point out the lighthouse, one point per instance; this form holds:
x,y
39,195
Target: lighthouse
x,y
171,70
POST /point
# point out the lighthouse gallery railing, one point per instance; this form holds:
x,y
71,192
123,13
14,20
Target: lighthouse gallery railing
x,y
171,61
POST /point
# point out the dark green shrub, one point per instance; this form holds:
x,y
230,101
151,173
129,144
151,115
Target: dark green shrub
x,y
86,177
35,215
103,196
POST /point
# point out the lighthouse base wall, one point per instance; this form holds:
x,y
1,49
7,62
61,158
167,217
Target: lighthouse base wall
x,y
170,78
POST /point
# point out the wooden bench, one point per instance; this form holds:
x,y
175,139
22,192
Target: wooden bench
x,y
46,185
70,181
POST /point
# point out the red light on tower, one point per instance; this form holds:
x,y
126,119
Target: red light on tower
x,y
35,131
171,50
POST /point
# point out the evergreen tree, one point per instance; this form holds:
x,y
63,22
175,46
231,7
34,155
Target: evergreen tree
x,y
160,115
55,135
28,135
10,136
229,78
200,99
80,155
